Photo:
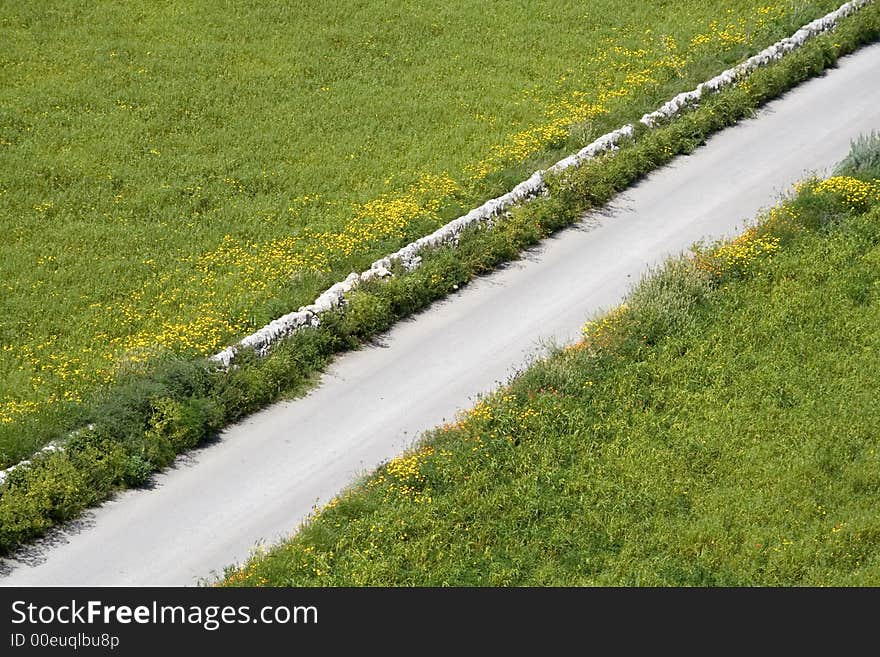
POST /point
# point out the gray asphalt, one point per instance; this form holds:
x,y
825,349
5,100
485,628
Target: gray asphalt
x,y
265,474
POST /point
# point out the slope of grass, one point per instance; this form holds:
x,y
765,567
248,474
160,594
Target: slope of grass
x,y
721,428
159,409
177,174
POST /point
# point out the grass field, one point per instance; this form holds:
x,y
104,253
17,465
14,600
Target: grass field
x,y
175,175
720,428
138,424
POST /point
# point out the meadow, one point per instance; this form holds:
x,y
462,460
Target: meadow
x,y
721,428
174,175
140,423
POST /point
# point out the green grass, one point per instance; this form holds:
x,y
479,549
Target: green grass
x,y
720,429
159,408
177,174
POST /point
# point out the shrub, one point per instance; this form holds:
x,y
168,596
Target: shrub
x,y
863,159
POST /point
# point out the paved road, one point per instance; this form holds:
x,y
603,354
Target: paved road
x,y
266,473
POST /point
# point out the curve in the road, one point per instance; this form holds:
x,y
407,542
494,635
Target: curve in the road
x,y
265,474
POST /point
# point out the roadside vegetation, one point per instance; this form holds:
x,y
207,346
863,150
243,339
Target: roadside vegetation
x,y
721,428
157,408
177,175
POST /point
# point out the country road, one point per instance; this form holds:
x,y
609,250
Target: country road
x,y
264,475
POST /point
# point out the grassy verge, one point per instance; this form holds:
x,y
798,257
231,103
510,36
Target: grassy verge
x,y
719,429
162,408
177,175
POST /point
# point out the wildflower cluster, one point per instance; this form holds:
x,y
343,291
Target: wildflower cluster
x,y
527,418
782,218
481,411
405,478
244,575
11,410
738,255
602,333
858,195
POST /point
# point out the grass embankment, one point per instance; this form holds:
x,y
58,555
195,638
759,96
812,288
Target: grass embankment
x,y
151,415
721,428
176,175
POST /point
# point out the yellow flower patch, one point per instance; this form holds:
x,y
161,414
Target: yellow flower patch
x,y
857,194
737,255
600,333
405,477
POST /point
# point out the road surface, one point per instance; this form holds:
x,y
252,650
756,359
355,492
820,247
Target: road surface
x,y
265,474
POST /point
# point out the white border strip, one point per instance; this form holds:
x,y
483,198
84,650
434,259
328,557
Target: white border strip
x,y
309,316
